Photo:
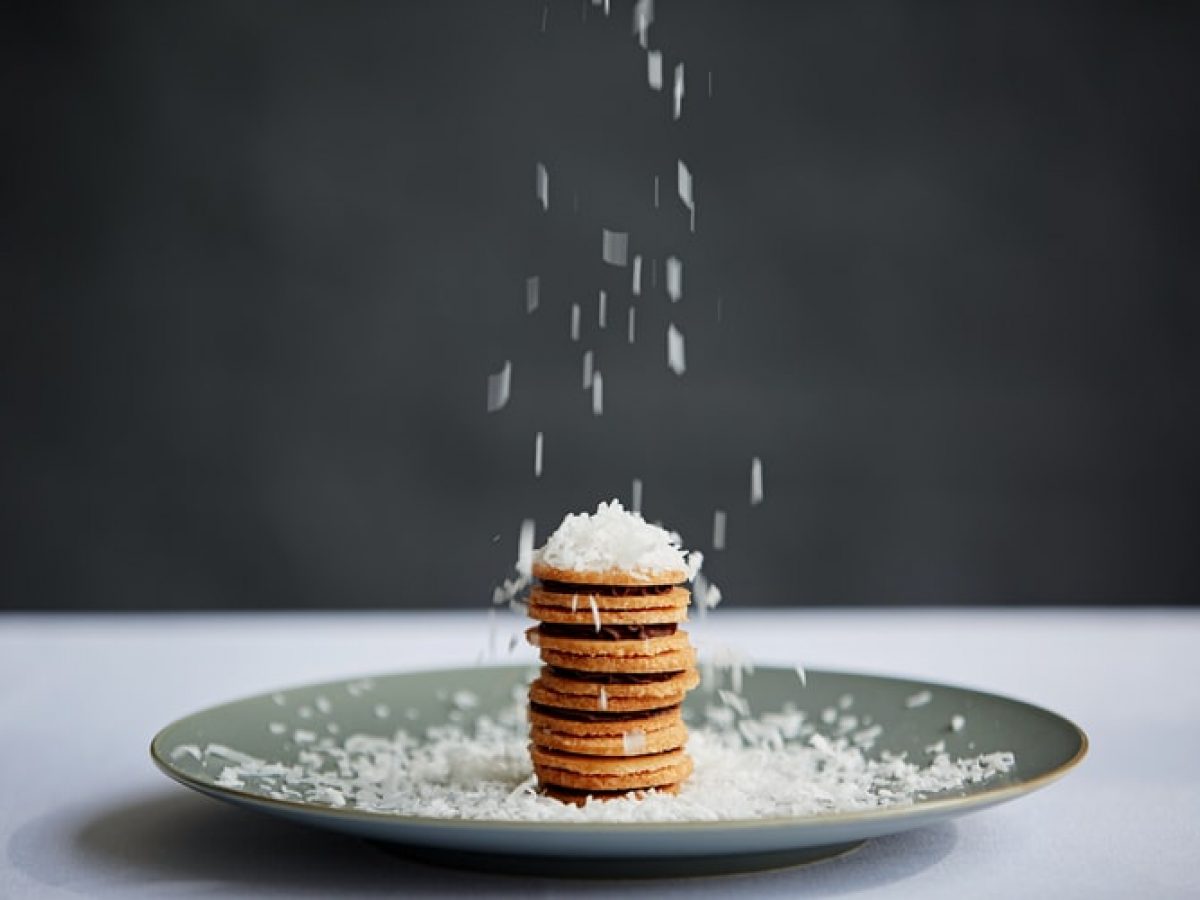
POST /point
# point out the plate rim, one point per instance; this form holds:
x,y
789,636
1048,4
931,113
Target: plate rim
x,y
932,806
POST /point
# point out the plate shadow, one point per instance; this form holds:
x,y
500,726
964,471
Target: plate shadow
x,y
176,840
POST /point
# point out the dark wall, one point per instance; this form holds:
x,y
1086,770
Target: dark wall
x,y
258,259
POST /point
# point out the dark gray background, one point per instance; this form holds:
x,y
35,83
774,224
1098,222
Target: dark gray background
x,y
258,259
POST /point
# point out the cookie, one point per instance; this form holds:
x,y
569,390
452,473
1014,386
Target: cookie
x,y
562,682
609,773
654,615
618,577
564,596
634,740
587,724
609,649
601,702
672,661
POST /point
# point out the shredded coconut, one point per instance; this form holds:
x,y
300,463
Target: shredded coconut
x,y
775,765
756,482
613,538
920,698
498,387
654,70
532,287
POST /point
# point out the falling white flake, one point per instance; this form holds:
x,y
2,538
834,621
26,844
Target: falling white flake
x,y
587,369
684,184
525,548
595,611
615,247
498,387
635,499
545,16
643,18
756,482
276,728
678,109
654,69
675,357
718,529
920,698
532,288
543,186
957,722
574,321
633,742
637,274
802,675
602,701
632,323
602,310
656,192
710,84
537,455
674,278
597,394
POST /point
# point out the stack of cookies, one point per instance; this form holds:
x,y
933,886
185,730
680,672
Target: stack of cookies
x,y
605,711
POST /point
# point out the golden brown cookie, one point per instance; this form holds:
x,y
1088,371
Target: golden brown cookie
x,y
609,773
672,661
679,682
564,723
584,615
577,646
634,740
601,702
622,577
578,600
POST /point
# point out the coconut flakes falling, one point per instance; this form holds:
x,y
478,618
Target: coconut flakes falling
x,y
637,275
574,321
674,278
588,369
532,289
718,539
614,538
602,310
614,247
654,70
675,353
756,482
597,394
538,442
498,388
677,108
643,18
542,183
631,328
635,499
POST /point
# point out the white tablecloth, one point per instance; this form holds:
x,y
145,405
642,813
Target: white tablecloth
x,y
84,813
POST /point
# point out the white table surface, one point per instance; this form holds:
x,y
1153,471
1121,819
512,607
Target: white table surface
x,y
84,813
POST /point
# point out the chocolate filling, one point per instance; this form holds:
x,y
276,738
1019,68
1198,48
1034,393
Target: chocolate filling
x,y
636,632
607,590
588,715
612,677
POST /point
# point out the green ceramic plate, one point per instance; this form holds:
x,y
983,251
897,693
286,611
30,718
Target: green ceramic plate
x,y
1046,746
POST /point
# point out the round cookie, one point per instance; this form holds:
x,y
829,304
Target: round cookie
x,y
609,773
654,721
611,649
584,615
632,741
676,596
539,693
681,682
543,572
672,661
